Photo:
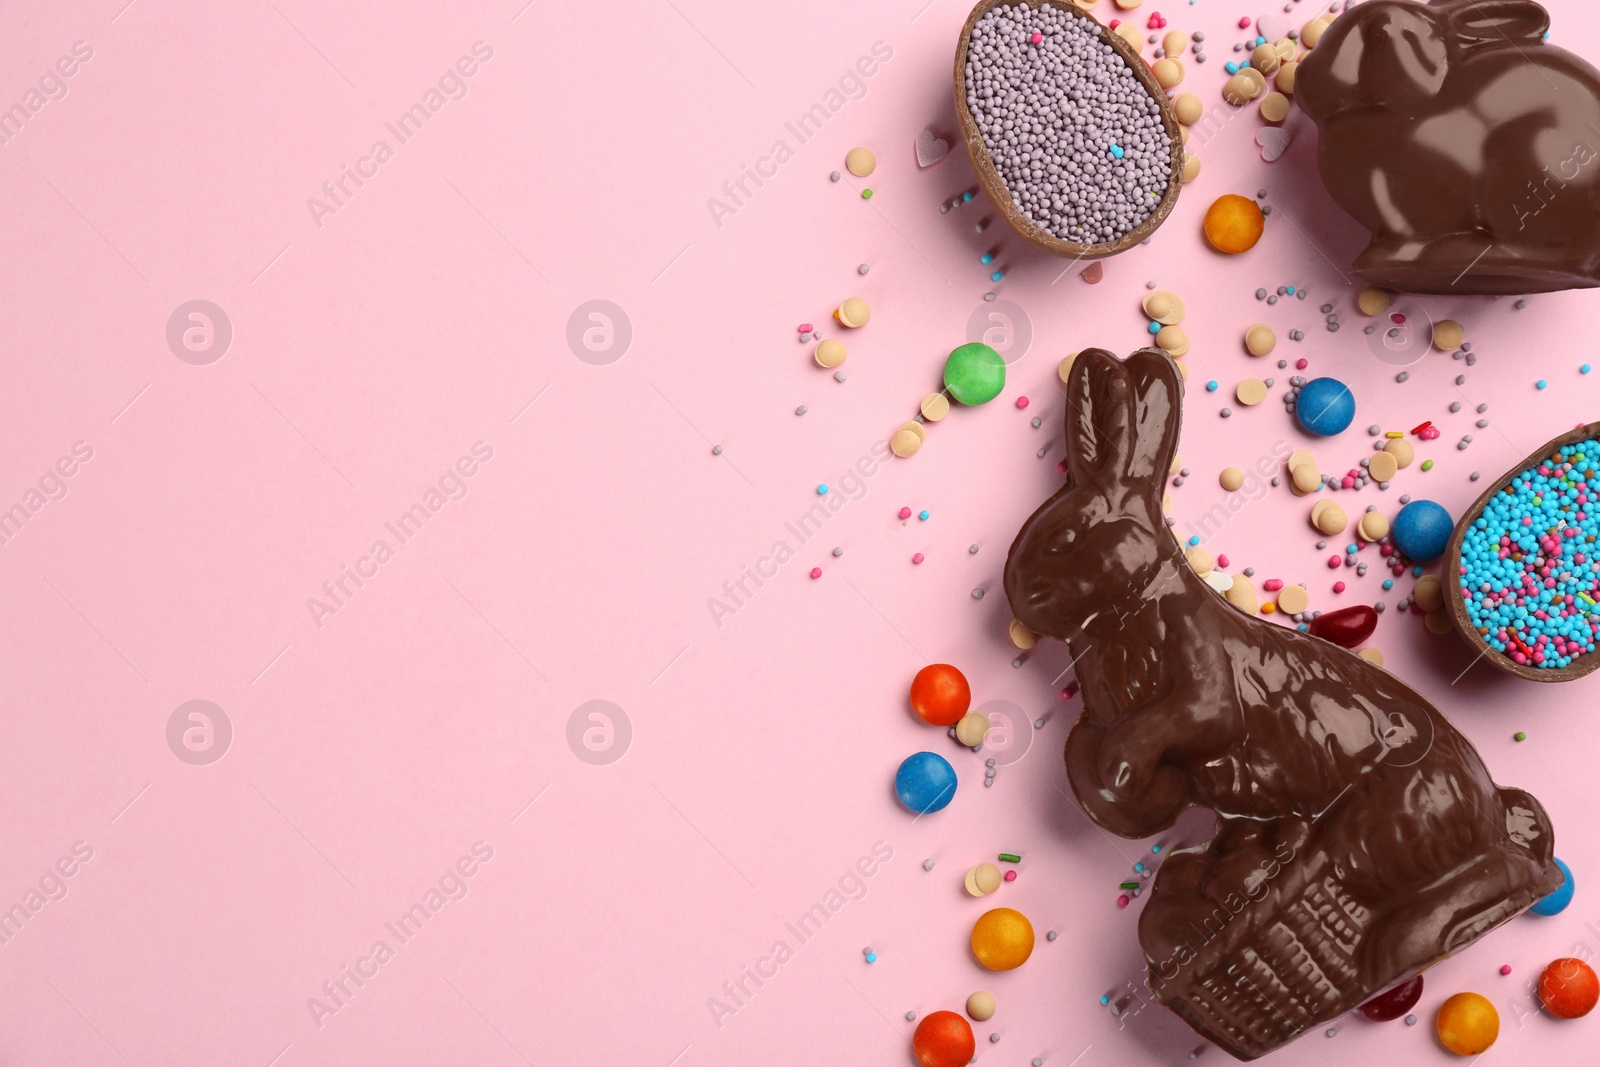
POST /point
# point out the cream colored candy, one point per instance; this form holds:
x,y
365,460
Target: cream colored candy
x,y
829,353
1438,622
983,879
1312,31
1237,90
1286,48
1382,466
1259,339
1021,636
1401,450
1274,107
913,426
1371,655
1172,338
1231,479
1064,368
1188,108
860,162
1177,464
1299,456
1428,593
1174,43
854,312
1183,368
1191,167
1167,73
935,406
1374,526
1329,518
1257,80
1128,5
972,727
1130,33
1292,599
1166,506
1305,478
1219,580
1084,5
1251,392
1265,59
1164,306
1448,335
981,1006
1183,134
1200,560
904,443
1372,301
1242,594
1285,78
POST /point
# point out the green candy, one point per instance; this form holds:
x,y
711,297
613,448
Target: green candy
x,y
974,374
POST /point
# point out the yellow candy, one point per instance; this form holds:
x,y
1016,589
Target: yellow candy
x,y
1002,939
1468,1024
1234,224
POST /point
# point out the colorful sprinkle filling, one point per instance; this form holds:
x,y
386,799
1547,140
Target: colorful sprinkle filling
x,y
1528,572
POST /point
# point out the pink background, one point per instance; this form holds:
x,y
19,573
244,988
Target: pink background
x,y
370,352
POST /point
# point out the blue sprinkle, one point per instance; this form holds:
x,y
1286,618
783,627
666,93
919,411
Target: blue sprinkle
x,y
1388,583
1289,289
1540,384
1211,387
923,515
965,197
1260,41
996,276
872,957
1231,67
822,490
1117,151
1156,849
1138,866
1104,1000
1193,541
1155,327
1584,369
986,259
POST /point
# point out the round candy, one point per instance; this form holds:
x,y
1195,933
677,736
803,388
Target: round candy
x,y
925,782
854,312
940,694
1395,1003
981,1006
1557,901
974,373
1325,407
1422,530
1568,988
943,1039
860,162
1234,223
1002,939
971,729
1468,1024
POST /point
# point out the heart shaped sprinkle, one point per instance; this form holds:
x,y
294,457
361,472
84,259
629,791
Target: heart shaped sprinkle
x,y
1274,141
931,148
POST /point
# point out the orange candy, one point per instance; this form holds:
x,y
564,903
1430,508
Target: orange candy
x,y
1468,1024
940,694
1234,224
1569,988
943,1039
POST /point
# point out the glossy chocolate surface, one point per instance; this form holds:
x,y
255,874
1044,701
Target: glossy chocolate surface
x,y
1360,837
1466,144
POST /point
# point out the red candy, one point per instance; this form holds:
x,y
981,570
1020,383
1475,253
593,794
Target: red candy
x,y
1347,627
1395,1003
943,1039
1568,988
940,695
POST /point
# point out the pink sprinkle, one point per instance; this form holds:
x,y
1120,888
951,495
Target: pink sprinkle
x,y
816,572
1244,23
1062,467
1398,319
1338,587
1272,585
905,513
1505,968
917,558
1011,876
1113,24
1036,38
1347,482
1333,562
1222,561
806,327
1022,401
1301,364
1122,901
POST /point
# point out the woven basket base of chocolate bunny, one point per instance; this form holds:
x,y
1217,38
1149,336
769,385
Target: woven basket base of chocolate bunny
x,y
1465,143
1361,837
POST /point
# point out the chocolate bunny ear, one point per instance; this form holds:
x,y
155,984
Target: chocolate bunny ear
x,y
1157,409
1099,417
1495,21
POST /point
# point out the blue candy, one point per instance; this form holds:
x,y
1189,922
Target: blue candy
x,y
1422,530
1557,901
925,782
1325,407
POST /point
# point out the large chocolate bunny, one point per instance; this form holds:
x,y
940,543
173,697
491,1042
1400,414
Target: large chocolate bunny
x,y
1361,838
1468,146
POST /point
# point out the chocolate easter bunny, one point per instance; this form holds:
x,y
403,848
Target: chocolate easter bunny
x,y
1360,837
1466,144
